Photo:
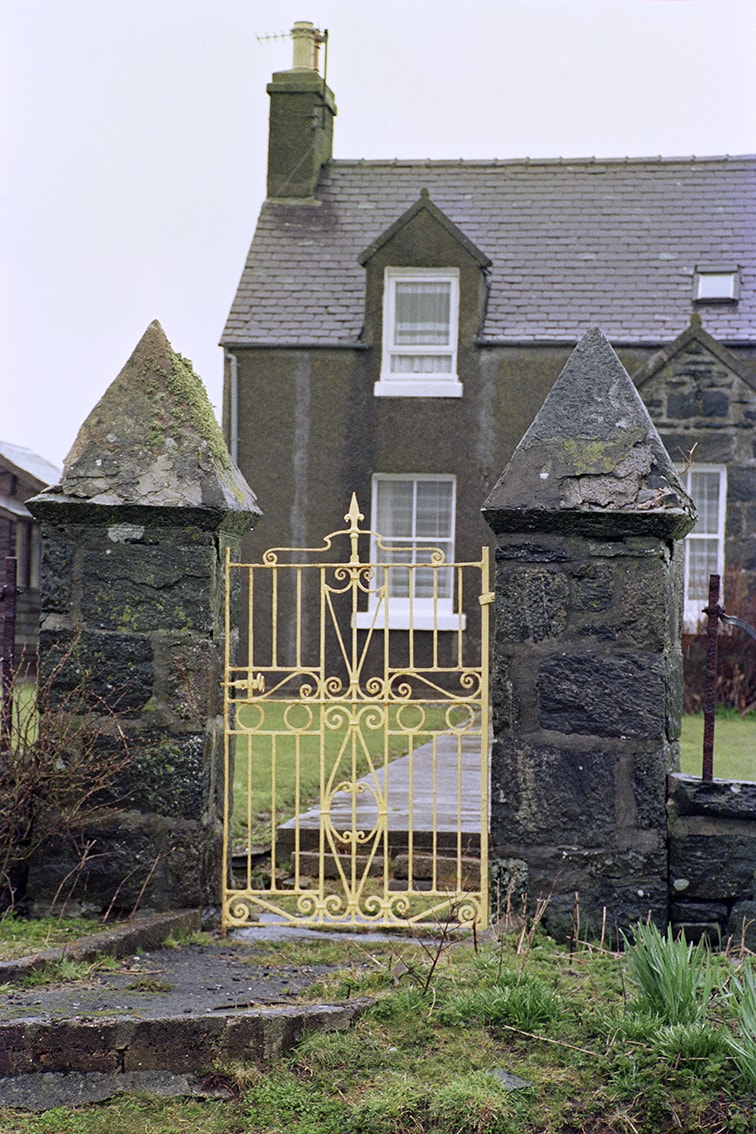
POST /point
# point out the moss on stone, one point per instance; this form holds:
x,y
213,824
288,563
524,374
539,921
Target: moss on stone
x,y
586,456
190,394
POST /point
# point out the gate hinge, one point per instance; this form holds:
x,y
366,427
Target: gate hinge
x,y
486,598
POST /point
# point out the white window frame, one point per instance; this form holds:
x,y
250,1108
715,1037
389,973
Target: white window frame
x,y
693,606
725,281
392,613
432,385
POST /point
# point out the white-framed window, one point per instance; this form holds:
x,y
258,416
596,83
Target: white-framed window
x,y
420,329
716,284
412,519
704,545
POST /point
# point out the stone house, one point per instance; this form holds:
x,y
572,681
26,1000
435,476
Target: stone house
x,y
22,475
398,324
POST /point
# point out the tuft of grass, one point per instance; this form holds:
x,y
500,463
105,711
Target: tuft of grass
x,y
68,970
528,1006
742,1042
674,977
20,936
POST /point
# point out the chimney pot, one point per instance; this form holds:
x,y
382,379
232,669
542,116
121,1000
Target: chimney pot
x,y
306,39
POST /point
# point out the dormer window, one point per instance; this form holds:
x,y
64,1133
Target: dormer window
x,y
716,284
420,330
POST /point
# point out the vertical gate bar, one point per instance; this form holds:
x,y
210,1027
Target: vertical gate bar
x,y
274,617
460,594
411,593
248,815
298,619
297,807
251,624
387,727
459,812
353,871
386,749
434,835
712,612
227,785
411,815
273,823
484,726
435,617
322,693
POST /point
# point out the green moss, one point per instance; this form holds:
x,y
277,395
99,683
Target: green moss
x,y
189,391
585,457
190,405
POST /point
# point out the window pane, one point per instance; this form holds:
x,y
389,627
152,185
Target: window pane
x,y
395,508
415,518
434,500
422,313
716,285
704,488
702,562
421,363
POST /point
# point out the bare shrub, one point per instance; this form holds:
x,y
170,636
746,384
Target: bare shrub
x,y
59,771
736,663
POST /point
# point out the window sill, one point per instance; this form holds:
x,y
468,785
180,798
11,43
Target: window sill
x,y
392,387
400,620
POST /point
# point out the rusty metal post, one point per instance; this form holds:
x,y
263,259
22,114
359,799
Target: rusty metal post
x,y
8,599
713,612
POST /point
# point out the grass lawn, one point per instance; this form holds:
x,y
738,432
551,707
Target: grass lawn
x,y
592,1050
734,746
21,936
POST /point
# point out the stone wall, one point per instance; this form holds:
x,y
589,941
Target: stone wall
x,y
587,667
712,858
135,539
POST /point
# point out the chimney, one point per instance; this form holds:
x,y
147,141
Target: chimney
x,y
302,110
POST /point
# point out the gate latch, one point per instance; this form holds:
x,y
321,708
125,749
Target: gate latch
x,y
256,683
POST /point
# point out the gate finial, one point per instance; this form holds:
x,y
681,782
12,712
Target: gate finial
x,y
353,517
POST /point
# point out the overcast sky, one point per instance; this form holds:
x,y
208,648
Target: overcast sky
x,y
134,137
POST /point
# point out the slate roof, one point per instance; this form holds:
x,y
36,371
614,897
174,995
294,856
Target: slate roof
x,y
28,464
573,243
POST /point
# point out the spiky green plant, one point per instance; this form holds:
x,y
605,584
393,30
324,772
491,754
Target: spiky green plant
x,y
742,1044
674,977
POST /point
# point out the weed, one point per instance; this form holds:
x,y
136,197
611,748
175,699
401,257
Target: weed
x,y
67,970
181,937
149,984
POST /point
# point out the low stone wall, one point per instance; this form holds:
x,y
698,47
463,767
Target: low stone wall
x,y
712,858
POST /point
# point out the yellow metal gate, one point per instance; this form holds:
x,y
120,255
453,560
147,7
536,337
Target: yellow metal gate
x,y
357,741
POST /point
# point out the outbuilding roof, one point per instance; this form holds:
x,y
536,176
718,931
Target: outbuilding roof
x,y
573,244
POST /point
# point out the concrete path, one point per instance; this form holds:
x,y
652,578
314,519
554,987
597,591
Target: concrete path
x,y
420,798
157,1022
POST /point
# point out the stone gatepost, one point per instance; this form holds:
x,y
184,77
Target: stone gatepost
x,y
134,542
587,669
